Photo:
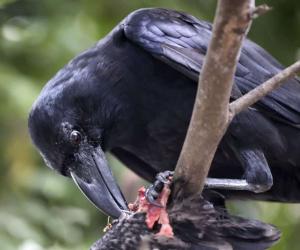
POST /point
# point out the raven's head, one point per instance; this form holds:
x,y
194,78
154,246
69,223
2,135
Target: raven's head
x,y
67,124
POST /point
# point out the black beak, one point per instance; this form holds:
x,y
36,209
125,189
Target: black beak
x,y
94,178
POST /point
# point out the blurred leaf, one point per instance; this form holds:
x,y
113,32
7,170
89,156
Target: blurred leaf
x,y
4,2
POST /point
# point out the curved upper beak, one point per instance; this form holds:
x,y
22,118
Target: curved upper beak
x,y
94,178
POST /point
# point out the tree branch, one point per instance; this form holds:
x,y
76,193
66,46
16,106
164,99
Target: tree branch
x,y
260,10
211,116
211,110
262,90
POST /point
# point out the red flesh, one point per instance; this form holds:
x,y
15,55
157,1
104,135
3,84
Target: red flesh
x,y
154,213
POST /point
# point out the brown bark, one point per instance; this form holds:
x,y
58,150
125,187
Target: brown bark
x,y
211,116
262,90
211,110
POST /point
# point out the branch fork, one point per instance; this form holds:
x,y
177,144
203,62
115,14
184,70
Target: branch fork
x,y
212,111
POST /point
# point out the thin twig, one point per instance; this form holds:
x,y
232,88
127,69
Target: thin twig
x,y
262,90
210,114
260,10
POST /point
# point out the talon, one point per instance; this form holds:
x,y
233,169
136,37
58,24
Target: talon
x,y
157,186
162,179
165,178
151,195
154,190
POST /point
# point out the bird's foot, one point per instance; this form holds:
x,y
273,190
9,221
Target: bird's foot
x,y
154,190
155,213
236,184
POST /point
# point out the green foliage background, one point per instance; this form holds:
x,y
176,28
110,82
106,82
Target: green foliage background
x,y
41,210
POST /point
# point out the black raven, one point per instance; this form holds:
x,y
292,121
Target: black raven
x,y
132,94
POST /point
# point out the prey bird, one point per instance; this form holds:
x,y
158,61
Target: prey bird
x,y
132,94
197,225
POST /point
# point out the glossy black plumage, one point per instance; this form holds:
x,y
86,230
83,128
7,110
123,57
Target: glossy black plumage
x,y
132,94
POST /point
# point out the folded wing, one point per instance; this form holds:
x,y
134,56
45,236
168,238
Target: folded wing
x,y
181,40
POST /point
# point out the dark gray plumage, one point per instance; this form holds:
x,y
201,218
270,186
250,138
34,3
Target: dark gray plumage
x,y
197,224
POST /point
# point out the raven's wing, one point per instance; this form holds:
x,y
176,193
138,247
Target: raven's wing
x,y
181,41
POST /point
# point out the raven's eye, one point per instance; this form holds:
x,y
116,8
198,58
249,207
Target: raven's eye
x,y
75,137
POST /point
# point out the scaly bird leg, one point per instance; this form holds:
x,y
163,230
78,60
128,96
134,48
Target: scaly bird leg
x,y
155,189
232,184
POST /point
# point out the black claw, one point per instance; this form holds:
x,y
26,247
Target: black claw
x,y
162,179
155,189
151,196
164,176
